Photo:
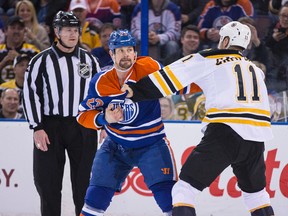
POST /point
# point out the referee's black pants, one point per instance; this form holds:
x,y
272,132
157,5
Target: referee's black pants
x,y
65,134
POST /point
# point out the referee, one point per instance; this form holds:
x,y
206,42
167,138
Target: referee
x,y
56,81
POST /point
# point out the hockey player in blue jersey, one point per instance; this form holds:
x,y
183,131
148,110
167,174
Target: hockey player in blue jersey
x,y
136,135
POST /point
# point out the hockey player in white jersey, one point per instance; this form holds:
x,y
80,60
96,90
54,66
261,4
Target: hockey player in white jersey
x,y
236,124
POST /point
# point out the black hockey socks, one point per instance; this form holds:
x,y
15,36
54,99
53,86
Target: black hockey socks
x,y
183,211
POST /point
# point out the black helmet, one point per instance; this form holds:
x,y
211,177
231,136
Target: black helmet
x,y
66,19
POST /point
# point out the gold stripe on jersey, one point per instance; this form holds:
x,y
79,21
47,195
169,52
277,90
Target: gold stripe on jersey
x,y
183,205
259,207
173,78
240,110
251,116
162,83
218,53
237,121
224,56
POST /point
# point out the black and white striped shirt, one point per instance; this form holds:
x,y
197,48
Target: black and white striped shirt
x,y
56,82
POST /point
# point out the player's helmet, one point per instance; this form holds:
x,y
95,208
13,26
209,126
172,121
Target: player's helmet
x,y
121,38
238,33
66,19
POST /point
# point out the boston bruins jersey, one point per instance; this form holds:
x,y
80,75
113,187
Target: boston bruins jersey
x,y
7,73
234,88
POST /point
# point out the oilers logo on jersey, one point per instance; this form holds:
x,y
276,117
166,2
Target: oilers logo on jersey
x,y
130,109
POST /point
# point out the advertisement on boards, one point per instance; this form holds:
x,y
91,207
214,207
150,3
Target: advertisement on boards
x,y
18,195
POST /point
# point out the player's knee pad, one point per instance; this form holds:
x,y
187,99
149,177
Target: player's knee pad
x,y
99,197
183,210
266,211
162,195
257,200
184,193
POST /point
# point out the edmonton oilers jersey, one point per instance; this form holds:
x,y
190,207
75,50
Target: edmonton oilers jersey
x,y
142,124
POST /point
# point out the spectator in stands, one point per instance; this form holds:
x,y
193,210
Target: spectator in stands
x,y
167,108
164,27
277,41
223,12
127,7
190,40
35,33
198,110
2,34
7,7
181,110
190,10
275,5
89,37
102,53
245,4
260,7
256,50
9,104
103,11
41,7
189,106
20,65
47,9
276,106
13,46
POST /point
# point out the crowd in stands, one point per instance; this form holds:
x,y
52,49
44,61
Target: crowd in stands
x,y
176,28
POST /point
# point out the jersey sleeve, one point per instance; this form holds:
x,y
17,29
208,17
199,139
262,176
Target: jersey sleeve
x,y
171,78
102,91
32,94
91,107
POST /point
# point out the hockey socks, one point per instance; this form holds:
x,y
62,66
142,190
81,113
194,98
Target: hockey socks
x,y
184,211
266,211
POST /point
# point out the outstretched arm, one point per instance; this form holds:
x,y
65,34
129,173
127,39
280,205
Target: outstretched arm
x,y
145,89
169,79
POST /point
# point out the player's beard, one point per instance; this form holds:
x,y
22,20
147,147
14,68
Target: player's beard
x,y
125,64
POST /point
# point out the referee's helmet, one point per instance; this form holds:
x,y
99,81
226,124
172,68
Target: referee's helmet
x,y
66,19
121,38
238,33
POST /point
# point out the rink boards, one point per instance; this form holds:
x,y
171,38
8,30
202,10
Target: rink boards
x,y
223,198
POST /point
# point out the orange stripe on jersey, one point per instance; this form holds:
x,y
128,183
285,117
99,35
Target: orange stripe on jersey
x,y
172,158
173,78
87,119
145,131
162,83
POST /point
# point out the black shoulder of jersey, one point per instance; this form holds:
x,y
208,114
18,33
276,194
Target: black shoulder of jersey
x,y
212,52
